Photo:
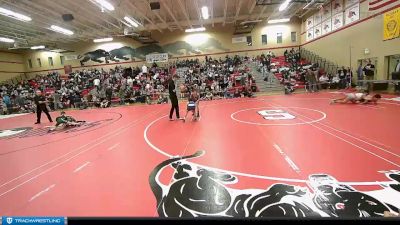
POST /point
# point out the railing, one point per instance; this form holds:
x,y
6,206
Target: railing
x,y
328,66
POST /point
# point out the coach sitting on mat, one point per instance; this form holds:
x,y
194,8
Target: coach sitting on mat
x,y
40,102
173,97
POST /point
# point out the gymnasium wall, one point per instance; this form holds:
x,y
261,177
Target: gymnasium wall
x,y
366,34
11,65
216,42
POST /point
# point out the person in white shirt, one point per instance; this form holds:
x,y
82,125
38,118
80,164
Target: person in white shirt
x,y
129,82
144,69
96,82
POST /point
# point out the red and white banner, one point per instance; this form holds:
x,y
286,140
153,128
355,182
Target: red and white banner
x,y
309,22
310,35
327,26
337,6
352,14
380,5
337,21
317,18
317,31
326,12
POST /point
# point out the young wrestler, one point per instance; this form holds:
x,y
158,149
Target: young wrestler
x,y
64,121
193,105
351,97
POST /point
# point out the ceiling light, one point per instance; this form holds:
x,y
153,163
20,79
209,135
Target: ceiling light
x,y
131,21
59,50
200,29
284,5
204,12
126,24
279,20
102,40
38,47
105,4
8,40
61,30
14,15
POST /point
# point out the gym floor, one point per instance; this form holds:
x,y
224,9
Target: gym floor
x,y
273,156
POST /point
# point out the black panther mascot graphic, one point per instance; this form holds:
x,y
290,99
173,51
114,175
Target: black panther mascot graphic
x,y
197,192
95,56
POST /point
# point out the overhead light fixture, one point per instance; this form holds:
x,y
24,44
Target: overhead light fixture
x,y
250,21
105,5
59,50
102,40
191,30
279,21
126,24
14,15
284,5
7,40
204,12
131,21
61,30
38,47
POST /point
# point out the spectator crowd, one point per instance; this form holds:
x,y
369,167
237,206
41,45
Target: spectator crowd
x,y
100,88
294,72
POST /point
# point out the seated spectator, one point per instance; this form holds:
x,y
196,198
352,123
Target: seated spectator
x,y
324,81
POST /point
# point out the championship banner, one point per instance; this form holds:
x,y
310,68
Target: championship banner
x,y
352,14
310,34
162,57
337,6
391,24
309,22
337,21
326,12
317,31
327,26
317,18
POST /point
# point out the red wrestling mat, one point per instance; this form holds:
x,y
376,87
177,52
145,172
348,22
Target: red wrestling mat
x,y
293,156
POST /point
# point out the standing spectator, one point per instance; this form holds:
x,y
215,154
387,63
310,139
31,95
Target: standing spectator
x,y
96,83
40,102
369,71
349,77
3,107
396,76
144,69
310,78
56,97
360,75
173,97
7,102
121,95
109,93
342,78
